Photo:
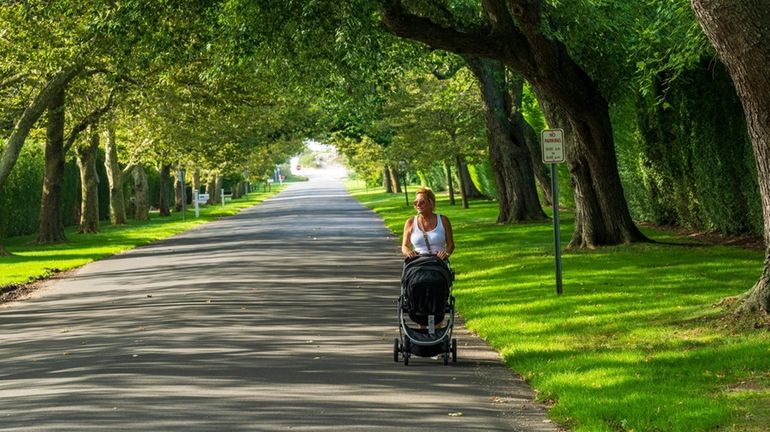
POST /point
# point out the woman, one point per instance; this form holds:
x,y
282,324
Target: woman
x,y
428,232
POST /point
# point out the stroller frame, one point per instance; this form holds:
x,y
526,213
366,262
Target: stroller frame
x,y
425,342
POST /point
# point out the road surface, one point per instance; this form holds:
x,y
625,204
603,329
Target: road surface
x,y
279,318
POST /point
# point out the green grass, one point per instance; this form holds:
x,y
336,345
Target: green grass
x,y
30,262
635,343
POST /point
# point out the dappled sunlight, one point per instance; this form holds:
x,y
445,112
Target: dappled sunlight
x,y
633,324
252,320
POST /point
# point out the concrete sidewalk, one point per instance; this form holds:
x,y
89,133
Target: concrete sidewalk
x,y
279,318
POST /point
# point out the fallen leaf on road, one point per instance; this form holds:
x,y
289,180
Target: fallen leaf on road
x,y
209,301
455,414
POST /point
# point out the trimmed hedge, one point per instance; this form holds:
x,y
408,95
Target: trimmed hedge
x,y
21,194
686,158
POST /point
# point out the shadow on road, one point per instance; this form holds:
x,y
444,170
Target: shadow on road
x,y
280,318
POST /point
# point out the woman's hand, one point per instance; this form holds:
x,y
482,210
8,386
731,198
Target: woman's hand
x,y
442,255
408,252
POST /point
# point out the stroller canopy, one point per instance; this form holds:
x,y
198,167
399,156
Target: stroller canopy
x,y
426,281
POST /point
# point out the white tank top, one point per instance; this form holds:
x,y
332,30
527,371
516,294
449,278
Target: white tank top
x,y
436,238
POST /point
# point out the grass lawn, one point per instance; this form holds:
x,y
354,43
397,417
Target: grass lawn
x,y
635,343
30,262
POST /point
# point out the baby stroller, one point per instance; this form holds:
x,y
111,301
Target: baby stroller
x,y
426,298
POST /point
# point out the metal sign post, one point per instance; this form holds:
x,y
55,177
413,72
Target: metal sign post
x,y
552,145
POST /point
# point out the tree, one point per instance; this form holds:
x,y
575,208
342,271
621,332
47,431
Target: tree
x,y
508,151
50,95
30,116
51,225
364,156
739,31
435,122
89,182
513,33
115,176
87,152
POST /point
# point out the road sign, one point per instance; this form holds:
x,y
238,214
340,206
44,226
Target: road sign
x,y
552,145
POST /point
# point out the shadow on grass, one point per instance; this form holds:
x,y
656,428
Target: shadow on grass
x,y
635,342
31,262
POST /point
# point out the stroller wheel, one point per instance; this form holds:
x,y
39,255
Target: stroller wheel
x,y
454,350
396,349
407,352
446,358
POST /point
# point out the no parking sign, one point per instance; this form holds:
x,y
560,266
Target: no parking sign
x,y
552,145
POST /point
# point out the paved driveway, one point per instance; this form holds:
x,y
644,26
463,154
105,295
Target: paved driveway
x,y
280,318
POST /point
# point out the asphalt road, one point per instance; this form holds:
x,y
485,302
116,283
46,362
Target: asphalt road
x,y
280,318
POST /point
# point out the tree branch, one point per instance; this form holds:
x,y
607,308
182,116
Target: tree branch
x,y
30,116
91,118
498,16
406,25
450,71
127,170
12,79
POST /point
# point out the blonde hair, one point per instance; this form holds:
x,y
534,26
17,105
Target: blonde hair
x,y
427,193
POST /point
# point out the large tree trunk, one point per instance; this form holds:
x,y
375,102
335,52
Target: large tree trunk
x,y
515,38
89,183
587,211
164,182
114,178
30,116
450,186
530,137
739,30
532,140
51,228
141,193
508,153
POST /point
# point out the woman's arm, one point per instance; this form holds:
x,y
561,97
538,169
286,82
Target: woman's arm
x,y
450,241
406,243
